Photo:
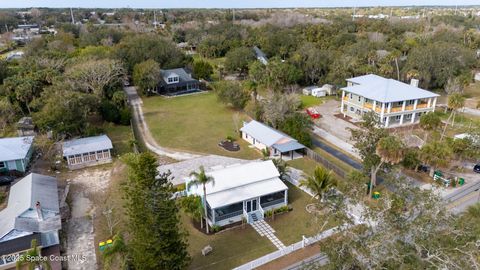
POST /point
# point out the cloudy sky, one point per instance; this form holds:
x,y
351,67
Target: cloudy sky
x,y
223,3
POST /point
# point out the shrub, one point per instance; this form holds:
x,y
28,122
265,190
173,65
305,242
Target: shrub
x,y
230,138
282,209
125,116
216,228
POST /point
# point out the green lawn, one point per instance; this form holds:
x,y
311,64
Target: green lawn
x,y
230,248
121,137
237,246
305,164
195,123
310,101
291,226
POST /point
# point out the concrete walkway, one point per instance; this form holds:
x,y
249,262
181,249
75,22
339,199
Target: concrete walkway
x,y
139,120
264,229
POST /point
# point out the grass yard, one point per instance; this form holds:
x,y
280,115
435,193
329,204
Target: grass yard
x,y
195,123
234,247
291,226
230,248
121,137
310,101
304,164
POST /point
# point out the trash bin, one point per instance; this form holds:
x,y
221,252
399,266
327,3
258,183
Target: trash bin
x,y
461,181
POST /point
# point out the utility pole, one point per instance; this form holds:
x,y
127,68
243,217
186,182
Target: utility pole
x,y
353,16
233,11
71,14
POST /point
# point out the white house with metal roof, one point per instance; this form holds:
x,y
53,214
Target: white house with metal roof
x,y
242,191
278,143
89,151
396,103
32,213
15,153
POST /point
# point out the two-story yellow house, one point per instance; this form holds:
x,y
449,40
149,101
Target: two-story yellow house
x,y
396,103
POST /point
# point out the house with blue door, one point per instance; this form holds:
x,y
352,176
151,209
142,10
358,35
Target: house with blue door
x,y
15,153
243,191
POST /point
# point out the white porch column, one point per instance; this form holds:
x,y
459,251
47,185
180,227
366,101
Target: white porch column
x,y
401,119
389,107
213,216
413,117
286,196
403,105
382,112
429,102
415,104
434,103
374,105
386,121
341,106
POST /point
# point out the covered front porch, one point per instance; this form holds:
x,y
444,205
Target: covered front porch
x,y
288,151
252,209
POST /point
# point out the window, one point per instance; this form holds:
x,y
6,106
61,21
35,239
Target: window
x,y
410,102
352,109
71,160
351,95
172,79
78,158
358,98
408,116
397,117
400,103
2,165
99,154
106,153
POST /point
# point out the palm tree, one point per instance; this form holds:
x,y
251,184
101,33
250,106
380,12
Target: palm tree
x,y
455,102
320,182
281,166
33,252
390,150
200,178
435,154
429,122
192,205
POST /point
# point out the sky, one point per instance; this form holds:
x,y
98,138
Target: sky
x,y
225,3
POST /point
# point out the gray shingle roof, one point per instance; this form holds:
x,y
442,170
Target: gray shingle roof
x,y
20,217
381,89
85,145
15,148
183,75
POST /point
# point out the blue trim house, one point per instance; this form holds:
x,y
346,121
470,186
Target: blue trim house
x,y
15,153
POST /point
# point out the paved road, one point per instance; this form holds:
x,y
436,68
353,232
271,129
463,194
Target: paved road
x,y
338,154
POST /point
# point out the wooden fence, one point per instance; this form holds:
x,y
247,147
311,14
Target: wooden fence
x,y
326,163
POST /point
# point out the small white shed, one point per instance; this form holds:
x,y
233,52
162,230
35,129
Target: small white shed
x,y
319,92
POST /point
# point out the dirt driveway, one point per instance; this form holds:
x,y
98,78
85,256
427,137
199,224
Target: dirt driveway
x,y
84,184
331,124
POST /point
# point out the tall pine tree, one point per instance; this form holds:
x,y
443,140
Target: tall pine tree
x,y
156,238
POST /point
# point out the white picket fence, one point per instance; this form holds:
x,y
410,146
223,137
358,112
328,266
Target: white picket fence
x,y
289,249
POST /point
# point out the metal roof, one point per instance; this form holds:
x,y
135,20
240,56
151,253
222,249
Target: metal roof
x,y
85,145
269,136
15,148
288,146
381,89
20,217
237,183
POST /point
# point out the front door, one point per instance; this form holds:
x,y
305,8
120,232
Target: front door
x,y
252,205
